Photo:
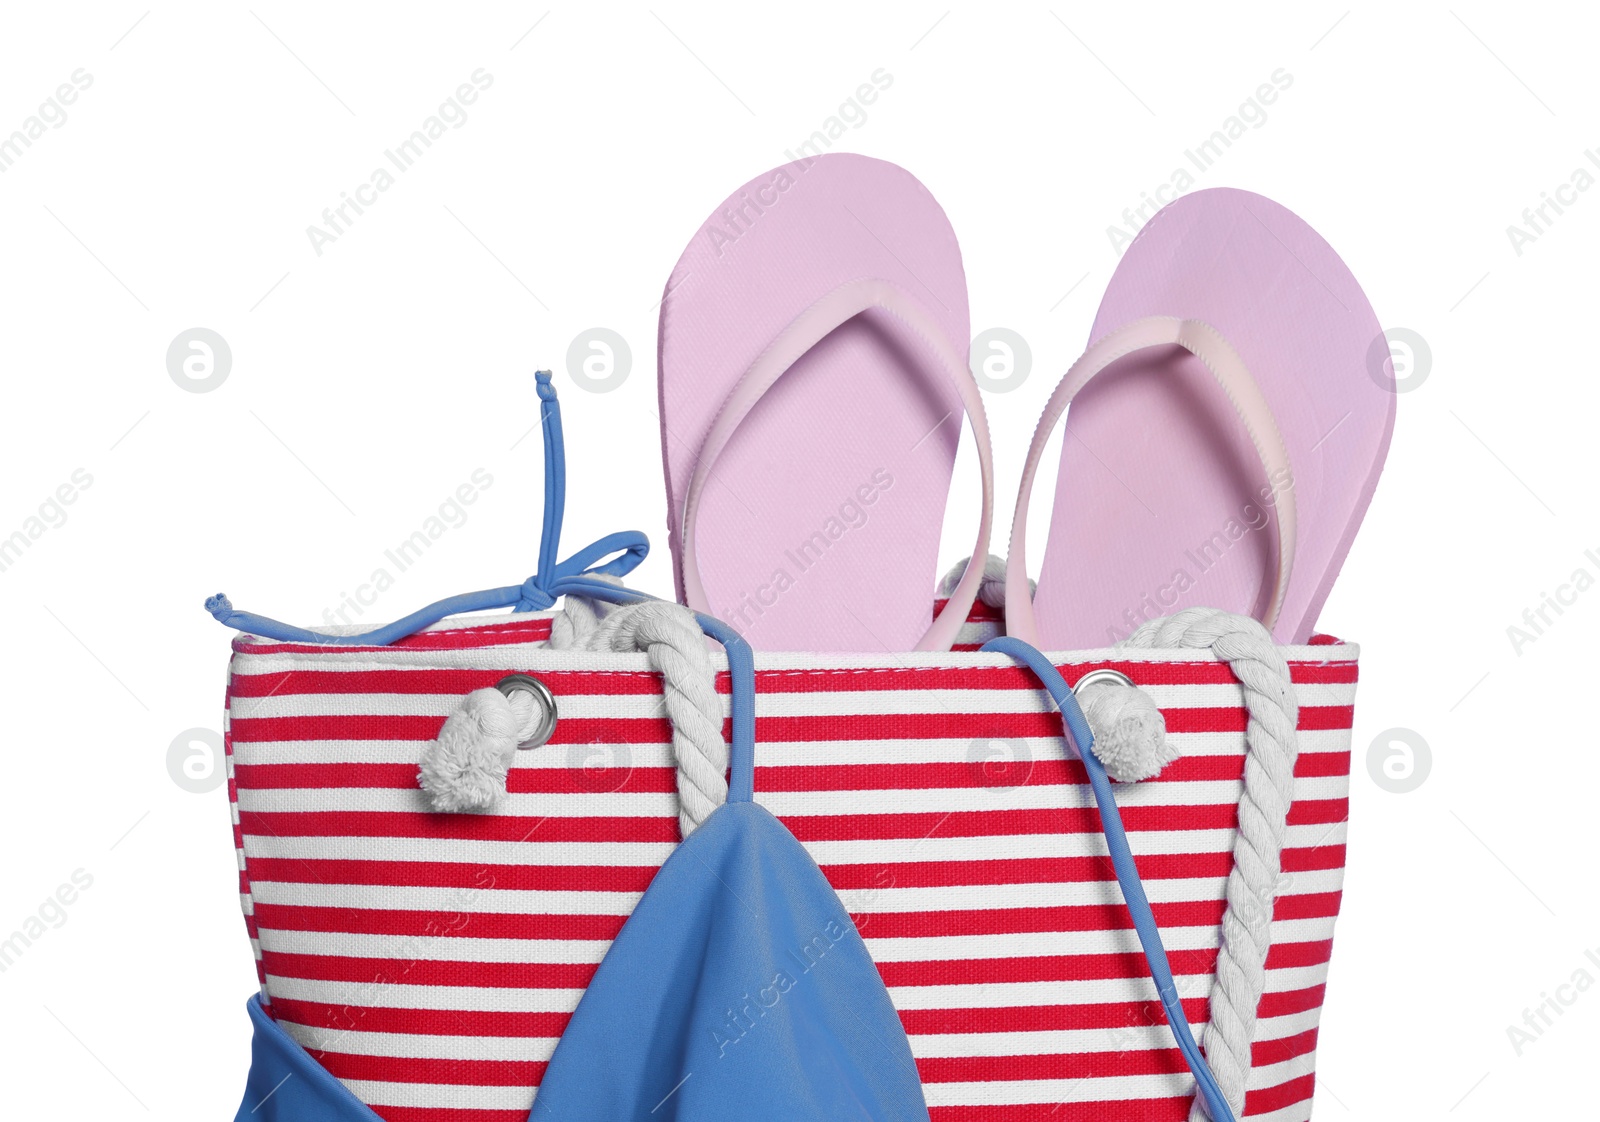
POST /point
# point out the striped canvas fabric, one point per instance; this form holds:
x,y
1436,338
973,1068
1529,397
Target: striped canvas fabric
x,y
430,962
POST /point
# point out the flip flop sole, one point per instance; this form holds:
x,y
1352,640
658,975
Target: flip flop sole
x,y
819,529
1161,501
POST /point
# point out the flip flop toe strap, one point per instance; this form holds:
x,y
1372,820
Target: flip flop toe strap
x,y
1207,344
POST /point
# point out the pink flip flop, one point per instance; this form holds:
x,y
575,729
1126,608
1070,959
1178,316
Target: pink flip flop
x,y
1171,494
812,379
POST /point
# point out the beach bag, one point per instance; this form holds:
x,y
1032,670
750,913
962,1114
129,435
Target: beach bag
x,y
425,964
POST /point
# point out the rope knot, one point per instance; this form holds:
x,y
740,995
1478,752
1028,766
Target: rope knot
x,y
464,769
535,597
1130,734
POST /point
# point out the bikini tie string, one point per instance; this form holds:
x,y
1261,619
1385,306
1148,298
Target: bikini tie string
x,y
1115,727
552,579
535,597
1080,744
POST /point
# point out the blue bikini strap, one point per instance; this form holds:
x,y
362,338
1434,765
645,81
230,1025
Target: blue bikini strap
x,y
574,576
552,580
1081,741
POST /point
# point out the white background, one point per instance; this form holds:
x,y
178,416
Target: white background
x,y
369,382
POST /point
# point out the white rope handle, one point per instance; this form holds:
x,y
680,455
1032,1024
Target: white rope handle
x,y
1271,748
676,647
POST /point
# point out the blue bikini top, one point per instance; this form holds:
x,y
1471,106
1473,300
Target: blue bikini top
x,y
739,988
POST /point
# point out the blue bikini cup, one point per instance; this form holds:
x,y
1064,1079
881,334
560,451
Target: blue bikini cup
x,y
738,989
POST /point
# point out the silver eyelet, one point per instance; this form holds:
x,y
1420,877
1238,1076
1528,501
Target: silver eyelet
x,y
1105,675
542,696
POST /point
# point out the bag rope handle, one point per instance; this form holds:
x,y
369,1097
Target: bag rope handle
x,y
642,616
1271,750
673,641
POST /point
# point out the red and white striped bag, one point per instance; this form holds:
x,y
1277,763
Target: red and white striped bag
x,y
430,962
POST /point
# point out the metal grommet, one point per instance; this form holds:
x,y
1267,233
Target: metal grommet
x,y
1105,675
542,697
